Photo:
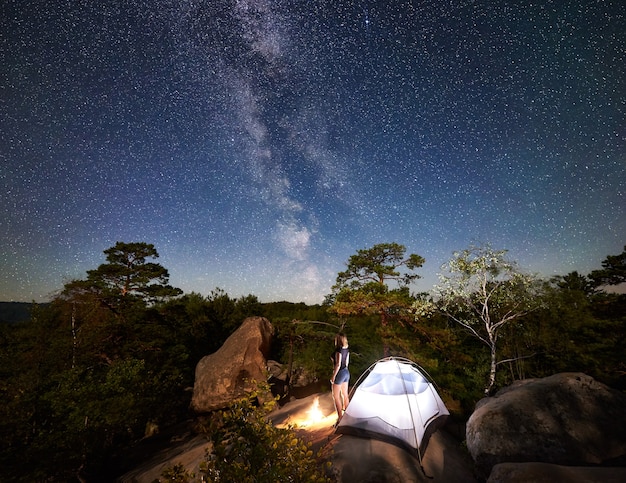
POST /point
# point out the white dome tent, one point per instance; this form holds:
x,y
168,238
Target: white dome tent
x,y
394,402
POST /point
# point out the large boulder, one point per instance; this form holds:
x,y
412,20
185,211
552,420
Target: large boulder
x,y
566,419
234,369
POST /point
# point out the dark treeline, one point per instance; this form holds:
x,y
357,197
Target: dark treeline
x,y
11,312
112,357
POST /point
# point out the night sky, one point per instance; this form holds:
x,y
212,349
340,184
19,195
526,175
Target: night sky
x,y
259,143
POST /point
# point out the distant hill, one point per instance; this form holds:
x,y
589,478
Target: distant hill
x,y
12,312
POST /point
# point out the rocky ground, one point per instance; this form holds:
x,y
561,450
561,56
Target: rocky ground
x,y
369,460
352,458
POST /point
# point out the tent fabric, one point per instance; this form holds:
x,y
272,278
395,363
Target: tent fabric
x,y
394,402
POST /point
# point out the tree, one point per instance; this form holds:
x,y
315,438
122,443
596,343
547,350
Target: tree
x,y
373,283
483,292
576,282
613,271
128,274
112,365
107,310
127,279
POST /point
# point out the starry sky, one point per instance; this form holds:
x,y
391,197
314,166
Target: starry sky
x,y
259,143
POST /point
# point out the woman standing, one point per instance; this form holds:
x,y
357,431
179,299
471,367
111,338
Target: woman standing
x,y
341,375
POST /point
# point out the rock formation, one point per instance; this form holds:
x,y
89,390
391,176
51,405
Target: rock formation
x,y
230,372
566,419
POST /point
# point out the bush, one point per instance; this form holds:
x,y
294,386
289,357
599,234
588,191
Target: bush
x,y
250,449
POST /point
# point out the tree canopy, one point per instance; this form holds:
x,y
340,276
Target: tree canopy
x,y
613,270
126,277
127,272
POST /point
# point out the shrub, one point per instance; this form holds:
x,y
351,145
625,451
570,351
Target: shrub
x,y
247,448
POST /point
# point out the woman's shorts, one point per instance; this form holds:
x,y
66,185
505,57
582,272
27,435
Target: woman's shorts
x,y
342,376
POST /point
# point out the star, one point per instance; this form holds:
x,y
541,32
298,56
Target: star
x,y
259,144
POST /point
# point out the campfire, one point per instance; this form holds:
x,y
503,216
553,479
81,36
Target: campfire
x,y
311,417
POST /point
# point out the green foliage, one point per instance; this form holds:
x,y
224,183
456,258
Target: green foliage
x,y
565,332
574,282
303,334
310,343
453,358
95,410
92,368
307,344
565,335
379,264
247,448
288,311
367,345
11,312
204,323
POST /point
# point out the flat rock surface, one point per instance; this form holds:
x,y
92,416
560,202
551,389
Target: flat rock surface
x,y
190,453
369,460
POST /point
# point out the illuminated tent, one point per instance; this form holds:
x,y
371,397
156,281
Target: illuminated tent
x,y
396,403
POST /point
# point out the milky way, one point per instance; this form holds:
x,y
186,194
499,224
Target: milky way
x,y
259,143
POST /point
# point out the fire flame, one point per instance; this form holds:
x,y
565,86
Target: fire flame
x,y
315,413
311,417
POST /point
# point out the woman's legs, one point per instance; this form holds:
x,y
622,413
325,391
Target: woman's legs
x,y
340,392
337,398
344,394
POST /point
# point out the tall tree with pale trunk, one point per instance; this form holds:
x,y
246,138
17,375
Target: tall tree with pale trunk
x,y
483,291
